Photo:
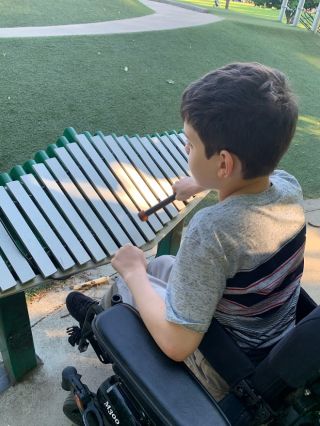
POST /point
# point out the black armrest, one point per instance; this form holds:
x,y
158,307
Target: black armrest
x,y
167,390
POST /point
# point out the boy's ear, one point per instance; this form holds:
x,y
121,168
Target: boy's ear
x,y
226,164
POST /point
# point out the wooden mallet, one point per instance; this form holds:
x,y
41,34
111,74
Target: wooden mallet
x,y
144,214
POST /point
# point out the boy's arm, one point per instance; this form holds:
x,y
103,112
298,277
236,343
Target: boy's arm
x,y
186,188
176,341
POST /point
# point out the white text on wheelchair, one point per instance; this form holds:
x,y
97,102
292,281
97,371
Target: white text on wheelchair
x,y
111,413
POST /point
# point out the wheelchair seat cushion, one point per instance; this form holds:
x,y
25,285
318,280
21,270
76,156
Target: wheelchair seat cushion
x,y
168,392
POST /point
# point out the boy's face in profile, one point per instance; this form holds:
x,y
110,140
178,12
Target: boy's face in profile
x,y
203,170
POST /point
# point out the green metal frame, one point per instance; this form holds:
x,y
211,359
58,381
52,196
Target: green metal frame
x,y
171,242
16,341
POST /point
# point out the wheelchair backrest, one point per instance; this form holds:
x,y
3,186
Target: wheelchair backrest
x,y
293,362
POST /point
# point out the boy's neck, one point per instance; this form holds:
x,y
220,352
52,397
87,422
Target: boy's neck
x,y
245,187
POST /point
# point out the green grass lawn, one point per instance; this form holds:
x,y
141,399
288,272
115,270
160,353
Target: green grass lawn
x,y
14,13
54,83
238,7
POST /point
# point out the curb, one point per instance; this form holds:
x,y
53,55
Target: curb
x,y
184,5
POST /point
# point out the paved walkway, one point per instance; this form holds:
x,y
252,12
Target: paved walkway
x,y
166,17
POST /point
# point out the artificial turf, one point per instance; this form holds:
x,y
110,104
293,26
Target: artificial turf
x,y
58,12
133,83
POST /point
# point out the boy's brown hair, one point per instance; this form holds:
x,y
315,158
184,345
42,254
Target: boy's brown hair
x,y
247,109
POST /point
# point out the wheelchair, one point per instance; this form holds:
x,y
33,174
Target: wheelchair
x,y
149,389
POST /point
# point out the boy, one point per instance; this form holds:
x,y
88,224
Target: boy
x,y
241,260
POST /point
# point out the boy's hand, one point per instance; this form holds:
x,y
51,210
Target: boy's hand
x,y
186,188
129,260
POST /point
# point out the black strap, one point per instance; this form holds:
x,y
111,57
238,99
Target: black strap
x,y
87,334
224,355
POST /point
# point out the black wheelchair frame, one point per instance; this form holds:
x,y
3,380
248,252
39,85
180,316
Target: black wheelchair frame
x,y
150,389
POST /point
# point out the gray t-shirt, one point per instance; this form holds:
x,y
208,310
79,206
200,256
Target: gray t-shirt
x,y
241,261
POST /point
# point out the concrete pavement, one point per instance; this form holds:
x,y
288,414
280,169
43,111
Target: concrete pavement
x,y
165,17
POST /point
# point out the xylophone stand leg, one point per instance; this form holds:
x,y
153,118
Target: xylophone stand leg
x,y
16,342
171,242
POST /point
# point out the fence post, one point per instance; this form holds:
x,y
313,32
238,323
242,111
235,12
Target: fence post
x,y
284,5
316,20
297,15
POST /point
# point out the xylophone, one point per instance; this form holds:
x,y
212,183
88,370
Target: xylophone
x,y
72,206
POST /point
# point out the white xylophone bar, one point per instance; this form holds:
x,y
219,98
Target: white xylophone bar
x,y
7,280
135,177
40,224
88,191
178,144
56,220
61,200
16,259
129,186
162,164
146,174
175,153
79,201
154,169
27,236
116,188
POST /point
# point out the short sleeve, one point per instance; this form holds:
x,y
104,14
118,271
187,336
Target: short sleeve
x,y
197,281
281,175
